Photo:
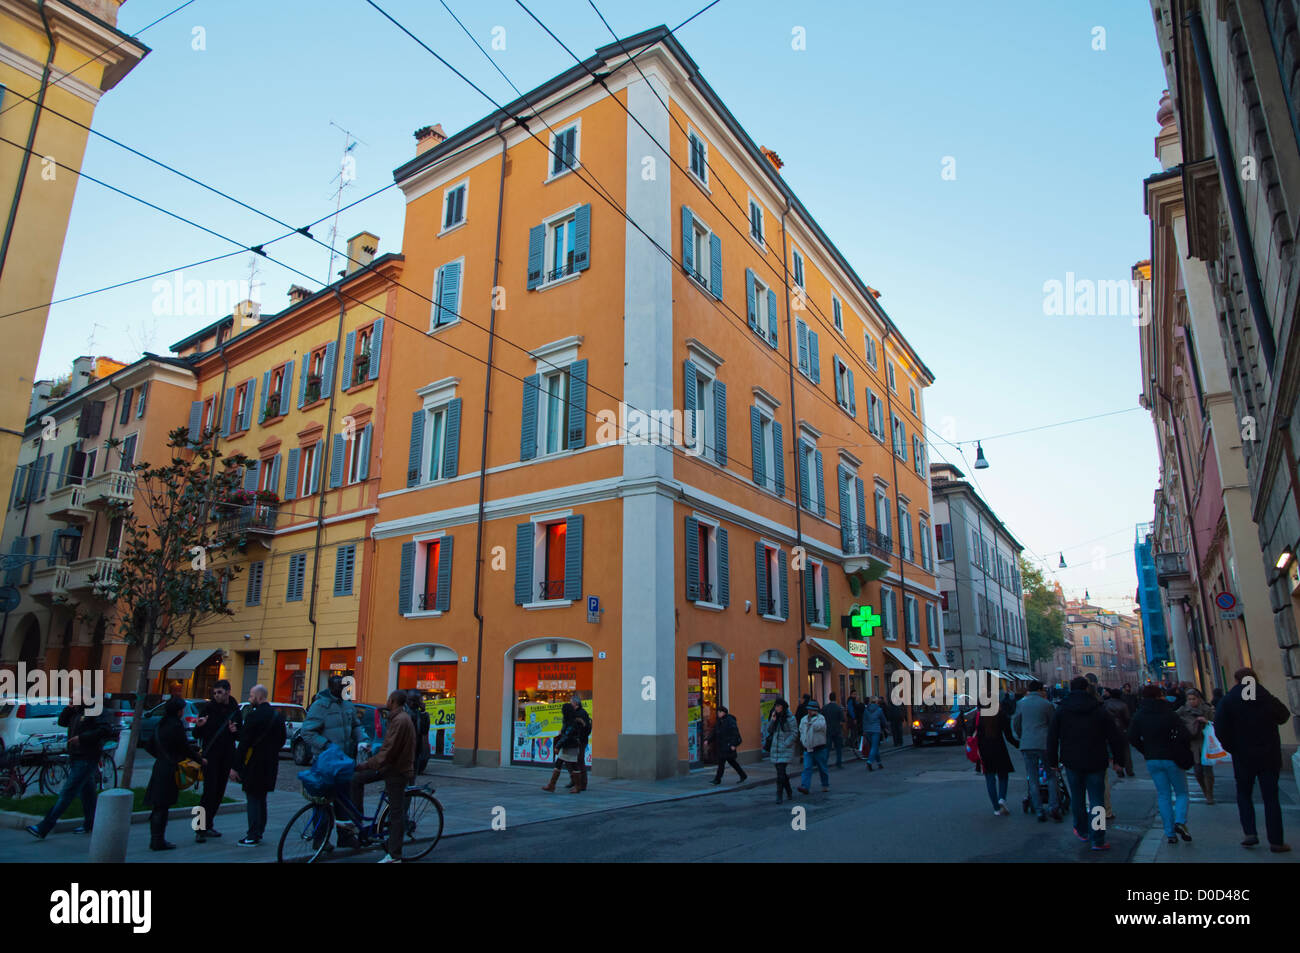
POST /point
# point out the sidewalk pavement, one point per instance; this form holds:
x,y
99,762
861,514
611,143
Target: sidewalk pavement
x,y
1216,829
472,798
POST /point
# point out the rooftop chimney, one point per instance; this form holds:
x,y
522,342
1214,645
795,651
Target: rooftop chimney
x,y
247,314
772,157
298,293
83,370
874,292
426,137
361,251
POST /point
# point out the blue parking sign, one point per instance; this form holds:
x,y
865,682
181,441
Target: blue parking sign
x,y
593,603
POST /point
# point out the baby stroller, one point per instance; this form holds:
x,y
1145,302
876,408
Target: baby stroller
x,y
1044,794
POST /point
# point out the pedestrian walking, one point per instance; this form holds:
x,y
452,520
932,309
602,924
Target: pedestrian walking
x,y
853,709
1078,738
394,764
217,730
567,753
257,760
726,739
420,718
1196,714
86,737
834,716
583,737
812,734
803,707
894,715
873,726
170,748
1119,713
1130,698
992,732
1246,725
1159,733
332,719
778,741
1030,723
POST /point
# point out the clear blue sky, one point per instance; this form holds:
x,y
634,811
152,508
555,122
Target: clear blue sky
x,y
1051,140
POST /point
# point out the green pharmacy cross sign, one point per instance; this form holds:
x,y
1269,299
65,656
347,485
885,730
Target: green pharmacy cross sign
x,y
863,620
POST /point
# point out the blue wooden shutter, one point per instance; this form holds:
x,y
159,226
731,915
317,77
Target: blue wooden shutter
x,y
573,558
760,577
778,454
523,563
449,293
413,460
266,393
809,595
250,476
344,561
327,374
720,422
451,441
536,255
814,357
363,468
577,411
528,430
405,578
826,597
443,601
821,484
853,396
141,398
274,483
376,348
804,452
715,265
751,300
63,466
291,474
801,340
771,317
302,380
196,420
336,461
846,528
582,238
724,569
286,387
688,241
690,400
756,438
246,420
254,595
125,414
692,558
227,411
784,608
349,345
860,491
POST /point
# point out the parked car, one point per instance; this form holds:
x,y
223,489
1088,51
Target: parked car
x,y
20,719
294,716
374,719
937,723
149,723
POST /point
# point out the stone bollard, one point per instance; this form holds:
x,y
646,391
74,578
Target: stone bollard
x,y
112,826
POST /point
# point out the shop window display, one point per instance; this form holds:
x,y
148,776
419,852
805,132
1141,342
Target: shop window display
x,y
541,689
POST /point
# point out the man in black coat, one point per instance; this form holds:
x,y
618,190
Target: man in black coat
x,y
726,738
217,730
257,760
420,716
1246,725
1078,737
834,716
86,737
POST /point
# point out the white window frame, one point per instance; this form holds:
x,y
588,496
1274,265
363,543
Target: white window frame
x,y
837,312
761,317
122,465
304,471
714,579
551,174
897,428
851,511
807,444
436,397
692,136
926,546
847,402
443,227
766,419
893,380
911,619
916,453
540,523
420,572
798,274
702,253
911,393
437,292
570,217
905,532
875,415
888,613
761,239
773,551
561,374
706,367
870,343
823,611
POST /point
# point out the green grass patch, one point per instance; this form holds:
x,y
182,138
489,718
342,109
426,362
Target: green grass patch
x,y
39,804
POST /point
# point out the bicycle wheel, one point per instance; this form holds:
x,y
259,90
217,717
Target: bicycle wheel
x,y
11,785
107,771
308,835
52,777
423,827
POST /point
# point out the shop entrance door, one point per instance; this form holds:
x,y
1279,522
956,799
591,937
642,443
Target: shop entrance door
x,y
703,695
437,680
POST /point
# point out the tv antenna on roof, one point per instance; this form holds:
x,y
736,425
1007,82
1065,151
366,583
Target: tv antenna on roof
x,y
346,175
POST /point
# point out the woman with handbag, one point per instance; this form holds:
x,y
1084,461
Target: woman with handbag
x,y
778,741
1158,732
1196,714
566,751
992,732
175,758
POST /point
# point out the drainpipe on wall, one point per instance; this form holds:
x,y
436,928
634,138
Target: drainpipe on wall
x,y
482,467
893,456
794,442
31,140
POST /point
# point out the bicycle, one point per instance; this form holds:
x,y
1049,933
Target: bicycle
x,y
33,761
310,833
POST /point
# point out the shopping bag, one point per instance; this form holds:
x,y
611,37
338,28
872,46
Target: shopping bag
x,y
1211,751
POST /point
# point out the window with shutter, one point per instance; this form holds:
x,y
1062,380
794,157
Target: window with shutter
x,y
564,150
344,563
699,157
447,294
453,205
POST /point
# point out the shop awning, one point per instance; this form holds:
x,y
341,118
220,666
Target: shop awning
x,y
184,666
901,658
840,654
939,659
163,659
921,657
1000,675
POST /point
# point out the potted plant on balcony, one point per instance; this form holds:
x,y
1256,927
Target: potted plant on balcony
x,y
267,498
361,368
313,388
272,408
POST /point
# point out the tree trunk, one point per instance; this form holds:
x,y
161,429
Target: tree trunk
x,y
141,689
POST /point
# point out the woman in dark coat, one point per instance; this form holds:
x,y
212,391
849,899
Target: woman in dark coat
x,y
257,760
171,747
992,733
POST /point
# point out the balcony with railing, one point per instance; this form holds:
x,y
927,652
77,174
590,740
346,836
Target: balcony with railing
x,y
867,556
94,576
251,519
68,504
49,583
108,489
1171,567
550,589
427,601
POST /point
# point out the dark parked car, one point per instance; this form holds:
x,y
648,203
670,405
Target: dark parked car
x,y
374,719
937,723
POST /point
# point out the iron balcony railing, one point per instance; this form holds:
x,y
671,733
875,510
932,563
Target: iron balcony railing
x,y
551,589
1170,566
253,518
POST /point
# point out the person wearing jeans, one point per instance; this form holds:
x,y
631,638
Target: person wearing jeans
x,y
1246,724
1093,785
812,734
1031,723
86,737
1036,759
1161,736
873,726
1080,736
1171,786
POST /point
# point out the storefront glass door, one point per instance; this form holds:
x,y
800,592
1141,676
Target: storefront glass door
x,y
771,686
290,677
541,689
437,680
703,695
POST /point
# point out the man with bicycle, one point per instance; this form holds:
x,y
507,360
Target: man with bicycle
x,y
394,764
86,737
